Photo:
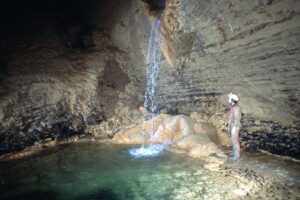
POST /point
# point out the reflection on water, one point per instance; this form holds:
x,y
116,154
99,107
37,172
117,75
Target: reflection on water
x,y
102,171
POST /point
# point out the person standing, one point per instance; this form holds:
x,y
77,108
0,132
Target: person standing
x,y
234,124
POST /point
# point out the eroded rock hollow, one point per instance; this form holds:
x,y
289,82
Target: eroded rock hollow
x,y
78,68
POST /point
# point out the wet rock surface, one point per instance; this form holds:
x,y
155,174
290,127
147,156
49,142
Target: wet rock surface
x,y
181,134
271,137
256,186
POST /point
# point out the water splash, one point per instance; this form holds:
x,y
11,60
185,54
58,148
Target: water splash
x,y
150,102
152,150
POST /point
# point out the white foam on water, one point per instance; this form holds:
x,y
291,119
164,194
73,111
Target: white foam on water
x,y
149,151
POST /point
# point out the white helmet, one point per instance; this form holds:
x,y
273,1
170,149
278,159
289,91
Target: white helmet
x,y
233,96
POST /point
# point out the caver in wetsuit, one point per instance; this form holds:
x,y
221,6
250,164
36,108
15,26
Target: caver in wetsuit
x,y
234,124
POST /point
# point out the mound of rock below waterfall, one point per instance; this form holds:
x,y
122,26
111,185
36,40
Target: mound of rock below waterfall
x,y
184,135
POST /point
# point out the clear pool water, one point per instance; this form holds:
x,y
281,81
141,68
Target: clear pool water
x,y
101,171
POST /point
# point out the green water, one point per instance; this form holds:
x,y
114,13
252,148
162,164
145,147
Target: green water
x,y
99,171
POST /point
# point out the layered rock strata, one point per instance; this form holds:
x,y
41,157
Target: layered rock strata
x,y
89,77
250,48
69,78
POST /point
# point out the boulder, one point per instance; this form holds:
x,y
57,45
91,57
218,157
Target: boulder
x,y
180,132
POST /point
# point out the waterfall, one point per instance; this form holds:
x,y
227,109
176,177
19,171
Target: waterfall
x,y
153,61
150,102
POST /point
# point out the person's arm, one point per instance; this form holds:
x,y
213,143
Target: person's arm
x,y
229,121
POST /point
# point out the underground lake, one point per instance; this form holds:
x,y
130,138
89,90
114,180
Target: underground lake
x,y
93,170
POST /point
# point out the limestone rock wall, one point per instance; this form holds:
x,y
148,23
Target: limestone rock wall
x,y
250,48
85,71
58,81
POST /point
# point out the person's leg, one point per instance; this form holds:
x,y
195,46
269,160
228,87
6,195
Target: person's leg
x,y
238,151
235,143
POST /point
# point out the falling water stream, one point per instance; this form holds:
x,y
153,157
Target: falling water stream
x,y
153,63
150,102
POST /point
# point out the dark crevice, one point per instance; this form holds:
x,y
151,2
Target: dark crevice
x,y
155,5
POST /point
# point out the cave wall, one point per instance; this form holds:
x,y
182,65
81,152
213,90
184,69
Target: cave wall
x,y
65,73
80,67
250,48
